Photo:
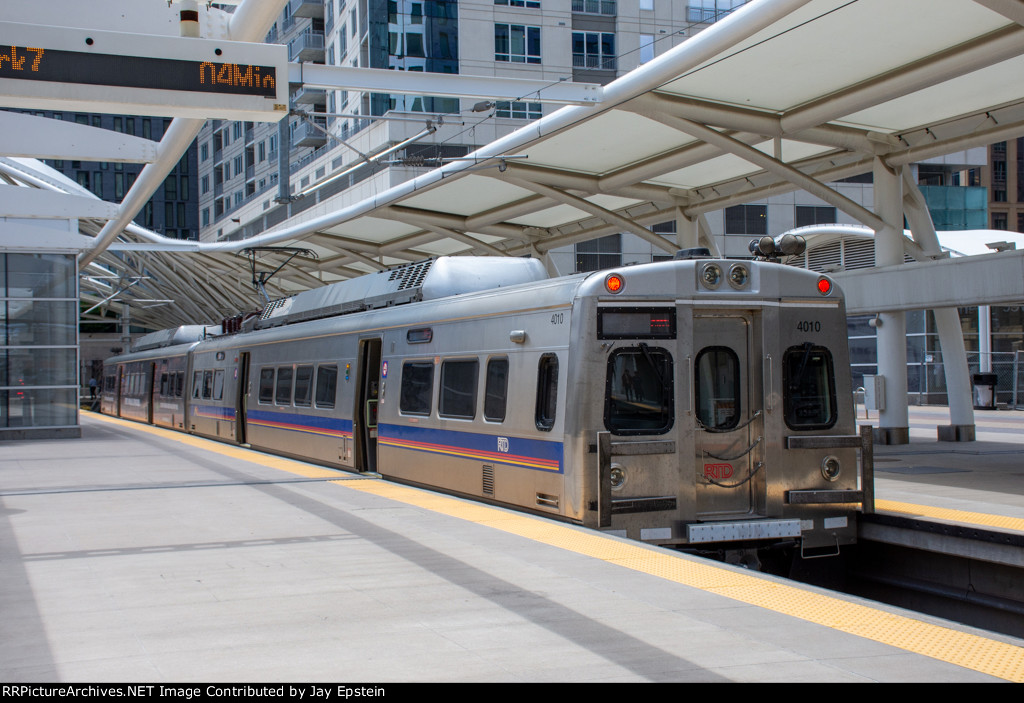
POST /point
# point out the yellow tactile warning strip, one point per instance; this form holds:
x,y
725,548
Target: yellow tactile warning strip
x,y
958,516
970,651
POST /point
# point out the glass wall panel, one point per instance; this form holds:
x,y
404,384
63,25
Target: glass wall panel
x,y
42,323
37,407
37,367
38,341
40,276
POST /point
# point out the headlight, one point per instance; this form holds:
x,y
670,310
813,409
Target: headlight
x,y
830,468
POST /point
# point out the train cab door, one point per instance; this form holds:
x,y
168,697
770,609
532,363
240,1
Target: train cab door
x,y
727,405
364,427
241,396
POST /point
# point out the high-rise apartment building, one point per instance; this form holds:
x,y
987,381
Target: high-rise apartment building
x,y
1005,182
172,210
254,176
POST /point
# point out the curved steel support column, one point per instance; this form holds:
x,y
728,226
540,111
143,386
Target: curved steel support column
x,y
894,422
687,232
947,322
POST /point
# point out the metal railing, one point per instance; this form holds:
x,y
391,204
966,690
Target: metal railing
x,y
608,63
594,7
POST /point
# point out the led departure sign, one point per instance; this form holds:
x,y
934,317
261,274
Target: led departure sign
x,y
61,66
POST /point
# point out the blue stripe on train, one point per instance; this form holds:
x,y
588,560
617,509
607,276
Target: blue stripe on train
x,y
536,454
313,424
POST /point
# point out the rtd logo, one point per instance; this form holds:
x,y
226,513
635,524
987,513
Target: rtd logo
x,y
718,471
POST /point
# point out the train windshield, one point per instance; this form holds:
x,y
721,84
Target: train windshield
x,y
640,391
810,388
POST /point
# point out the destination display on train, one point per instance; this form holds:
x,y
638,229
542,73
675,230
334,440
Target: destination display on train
x,y
76,67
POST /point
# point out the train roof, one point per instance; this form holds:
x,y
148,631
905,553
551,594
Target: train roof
x,y
174,336
432,279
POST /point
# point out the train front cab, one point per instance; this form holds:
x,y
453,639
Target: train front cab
x,y
727,424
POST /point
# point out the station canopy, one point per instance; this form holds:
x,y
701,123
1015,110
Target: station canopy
x,y
780,95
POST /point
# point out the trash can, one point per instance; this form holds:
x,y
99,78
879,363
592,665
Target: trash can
x,y
984,390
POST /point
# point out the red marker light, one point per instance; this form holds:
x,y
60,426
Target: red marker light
x,y
824,286
614,283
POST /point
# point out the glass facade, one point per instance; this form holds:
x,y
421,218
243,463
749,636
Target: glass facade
x,y
38,344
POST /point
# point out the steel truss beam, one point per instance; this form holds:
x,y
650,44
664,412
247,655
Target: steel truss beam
x,y
759,158
608,216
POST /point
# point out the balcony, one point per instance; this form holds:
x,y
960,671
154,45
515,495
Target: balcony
x,y
308,46
608,63
594,7
310,96
307,8
306,134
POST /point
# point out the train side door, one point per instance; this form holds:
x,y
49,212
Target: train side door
x,y
121,390
241,396
151,389
726,403
364,428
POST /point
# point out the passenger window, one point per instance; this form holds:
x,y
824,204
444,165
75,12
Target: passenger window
x,y
218,384
283,392
458,389
547,392
809,388
179,379
207,384
718,388
640,395
197,384
163,385
326,385
496,390
303,385
267,385
417,387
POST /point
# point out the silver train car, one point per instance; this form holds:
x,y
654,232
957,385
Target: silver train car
x,y
699,403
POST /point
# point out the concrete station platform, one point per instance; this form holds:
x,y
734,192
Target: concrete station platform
x,y
136,554
977,483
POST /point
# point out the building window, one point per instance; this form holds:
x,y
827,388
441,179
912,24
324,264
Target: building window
x,y
646,48
516,43
811,215
518,3
593,50
999,220
204,151
600,253
708,11
746,219
518,110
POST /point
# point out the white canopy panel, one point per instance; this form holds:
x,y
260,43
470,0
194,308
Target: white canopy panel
x,y
779,95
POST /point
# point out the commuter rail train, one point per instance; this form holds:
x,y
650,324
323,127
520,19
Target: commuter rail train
x,y
701,403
